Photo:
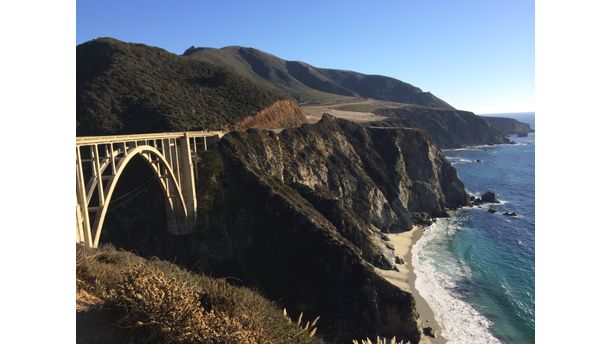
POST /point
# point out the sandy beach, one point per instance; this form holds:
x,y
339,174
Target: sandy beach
x,y
405,279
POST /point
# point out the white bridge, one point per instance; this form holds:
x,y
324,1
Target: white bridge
x,y
100,160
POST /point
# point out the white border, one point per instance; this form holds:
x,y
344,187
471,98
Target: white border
x,y
37,248
573,175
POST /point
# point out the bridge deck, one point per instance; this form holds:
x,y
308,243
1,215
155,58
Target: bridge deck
x,y
89,140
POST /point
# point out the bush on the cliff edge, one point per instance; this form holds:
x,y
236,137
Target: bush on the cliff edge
x,y
168,311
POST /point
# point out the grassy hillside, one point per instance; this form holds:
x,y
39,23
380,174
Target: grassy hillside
x,y
130,88
123,298
309,84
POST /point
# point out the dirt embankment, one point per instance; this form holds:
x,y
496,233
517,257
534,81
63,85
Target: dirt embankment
x,y
281,114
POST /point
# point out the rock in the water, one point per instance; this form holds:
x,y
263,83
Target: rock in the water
x,y
421,218
478,160
489,197
428,331
492,210
510,213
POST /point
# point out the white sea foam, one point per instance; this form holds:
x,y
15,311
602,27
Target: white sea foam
x,y
457,159
462,149
437,274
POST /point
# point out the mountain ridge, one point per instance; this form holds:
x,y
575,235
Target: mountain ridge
x,y
307,83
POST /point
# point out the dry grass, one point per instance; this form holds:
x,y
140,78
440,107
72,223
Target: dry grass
x,y
309,327
281,114
379,341
161,303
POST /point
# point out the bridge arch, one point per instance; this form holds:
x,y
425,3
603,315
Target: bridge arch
x,y
173,158
174,200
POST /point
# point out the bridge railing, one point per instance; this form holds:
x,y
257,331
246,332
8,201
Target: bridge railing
x,y
89,140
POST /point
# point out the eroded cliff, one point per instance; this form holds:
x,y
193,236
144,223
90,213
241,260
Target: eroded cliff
x,y
301,215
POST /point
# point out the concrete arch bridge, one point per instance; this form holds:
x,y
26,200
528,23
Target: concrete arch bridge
x,y
100,161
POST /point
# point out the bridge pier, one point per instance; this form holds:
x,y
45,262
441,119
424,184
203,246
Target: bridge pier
x,y
187,180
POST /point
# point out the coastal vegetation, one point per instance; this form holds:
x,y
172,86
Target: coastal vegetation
x,y
155,301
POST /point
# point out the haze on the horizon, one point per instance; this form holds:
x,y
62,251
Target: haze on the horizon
x,y
477,55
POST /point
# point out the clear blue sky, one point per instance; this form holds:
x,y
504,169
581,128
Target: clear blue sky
x,y
478,55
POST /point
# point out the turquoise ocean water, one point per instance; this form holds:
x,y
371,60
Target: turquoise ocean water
x,y
476,269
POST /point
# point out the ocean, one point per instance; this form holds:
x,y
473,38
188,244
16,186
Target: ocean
x,y
476,269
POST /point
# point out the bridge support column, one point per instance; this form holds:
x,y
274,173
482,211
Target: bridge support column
x,y
187,177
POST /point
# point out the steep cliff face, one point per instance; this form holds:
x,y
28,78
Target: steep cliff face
x,y
300,215
508,126
448,128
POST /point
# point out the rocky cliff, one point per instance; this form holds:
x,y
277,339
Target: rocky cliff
x,y
508,126
301,215
448,128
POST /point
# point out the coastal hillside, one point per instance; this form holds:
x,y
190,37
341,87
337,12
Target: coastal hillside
x,y
448,128
508,126
124,298
301,216
134,88
309,84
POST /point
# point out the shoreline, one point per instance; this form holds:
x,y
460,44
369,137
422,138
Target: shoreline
x,y
405,279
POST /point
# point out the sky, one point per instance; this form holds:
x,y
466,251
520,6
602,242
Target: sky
x,y
477,55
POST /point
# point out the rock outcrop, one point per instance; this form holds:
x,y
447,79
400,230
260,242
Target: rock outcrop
x,y
489,197
509,126
301,214
448,128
